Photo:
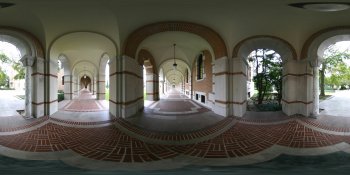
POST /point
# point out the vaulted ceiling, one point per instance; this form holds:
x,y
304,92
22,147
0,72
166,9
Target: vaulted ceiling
x,y
234,21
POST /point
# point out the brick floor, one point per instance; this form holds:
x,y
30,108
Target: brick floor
x,y
83,106
110,144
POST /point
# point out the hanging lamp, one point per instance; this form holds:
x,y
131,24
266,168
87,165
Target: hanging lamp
x,y
174,65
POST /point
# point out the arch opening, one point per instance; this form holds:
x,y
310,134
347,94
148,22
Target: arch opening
x,y
264,80
12,80
334,76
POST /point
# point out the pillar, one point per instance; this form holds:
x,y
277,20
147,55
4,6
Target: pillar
x,y
315,91
101,87
150,84
238,82
221,105
28,62
68,87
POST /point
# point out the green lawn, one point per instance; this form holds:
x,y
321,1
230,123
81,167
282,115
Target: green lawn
x,y
107,94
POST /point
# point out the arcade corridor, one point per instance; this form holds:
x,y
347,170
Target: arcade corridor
x,y
164,87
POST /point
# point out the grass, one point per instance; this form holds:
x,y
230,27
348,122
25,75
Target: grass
x,y
107,94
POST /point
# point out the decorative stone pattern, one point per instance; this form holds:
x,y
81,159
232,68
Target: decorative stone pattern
x,y
111,144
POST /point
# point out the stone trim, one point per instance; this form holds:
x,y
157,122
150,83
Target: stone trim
x,y
35,42
313,37
43,74
230,73
231,102
241,43
151,81
41,103
298,75
145,55
125,72
297,101
126,103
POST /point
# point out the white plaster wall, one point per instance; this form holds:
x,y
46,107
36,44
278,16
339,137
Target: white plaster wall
x,y
67,87
239,87
113,87
132,86
221,86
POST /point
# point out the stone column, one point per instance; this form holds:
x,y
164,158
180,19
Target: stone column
x,y
28,63
68,87
315,90
101,87
150,85
222,103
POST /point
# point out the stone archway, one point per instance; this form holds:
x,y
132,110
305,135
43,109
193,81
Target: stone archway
x,y
213,38
132,103
92,48
101,82
152,88
32,54
312,53
238,74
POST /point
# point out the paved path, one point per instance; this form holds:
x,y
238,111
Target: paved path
x,y
337,105
9,103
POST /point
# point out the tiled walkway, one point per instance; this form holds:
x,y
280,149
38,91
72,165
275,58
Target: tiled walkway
x,y
96,140
240,140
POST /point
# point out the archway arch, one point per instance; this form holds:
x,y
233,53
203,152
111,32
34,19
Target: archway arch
x,y
81,69
32,58
213,38
312,52
146,59
101,83
84,47
240,68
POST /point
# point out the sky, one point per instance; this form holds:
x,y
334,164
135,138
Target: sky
x,y
12,52
343,46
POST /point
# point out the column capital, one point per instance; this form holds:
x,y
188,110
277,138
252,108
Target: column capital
x,y
27,61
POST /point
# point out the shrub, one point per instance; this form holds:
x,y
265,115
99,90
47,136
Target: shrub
x,y
60,97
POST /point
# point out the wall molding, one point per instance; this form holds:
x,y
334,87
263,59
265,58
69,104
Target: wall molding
x,y
297,101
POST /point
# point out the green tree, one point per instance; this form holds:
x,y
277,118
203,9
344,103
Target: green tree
x,y
4,79
268,73
4,58
332,58
17,66
340,75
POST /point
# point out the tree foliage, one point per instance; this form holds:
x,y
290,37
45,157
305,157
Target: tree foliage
x,y
335,66
3,77
17,66
4,58
268,73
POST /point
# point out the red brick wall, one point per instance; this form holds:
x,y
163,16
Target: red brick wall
x,y
205,85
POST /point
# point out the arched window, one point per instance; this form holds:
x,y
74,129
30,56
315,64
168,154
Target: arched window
x,y
186,75
200,67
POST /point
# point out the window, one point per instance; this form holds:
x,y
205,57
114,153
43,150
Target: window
x,y
62,80
202,98
186,75
200,67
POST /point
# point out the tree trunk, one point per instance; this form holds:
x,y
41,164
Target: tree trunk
x,y
322,72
